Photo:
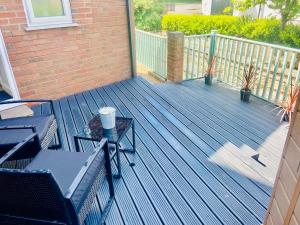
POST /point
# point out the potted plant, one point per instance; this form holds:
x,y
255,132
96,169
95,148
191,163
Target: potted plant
x,y
210,71
249,76
288,105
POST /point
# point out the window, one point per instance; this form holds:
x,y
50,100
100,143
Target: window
x,y
48,13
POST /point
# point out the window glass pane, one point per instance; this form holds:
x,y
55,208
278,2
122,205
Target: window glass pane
x,y
47,8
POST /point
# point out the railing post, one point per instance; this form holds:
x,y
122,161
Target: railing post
x,y
175,56
212,48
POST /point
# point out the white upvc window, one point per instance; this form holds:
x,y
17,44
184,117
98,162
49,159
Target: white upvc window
x,y
48,13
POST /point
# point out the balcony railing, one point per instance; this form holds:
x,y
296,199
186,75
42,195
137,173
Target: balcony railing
x,y
152,52
276,67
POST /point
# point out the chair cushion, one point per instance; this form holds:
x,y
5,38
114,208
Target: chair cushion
x,y
10,138
64,166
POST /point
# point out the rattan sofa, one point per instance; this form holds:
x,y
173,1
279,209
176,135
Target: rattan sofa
x,y
44,125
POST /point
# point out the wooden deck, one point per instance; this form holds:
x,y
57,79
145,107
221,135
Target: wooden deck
x,y
194,160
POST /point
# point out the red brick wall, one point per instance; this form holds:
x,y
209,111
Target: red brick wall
x,y
56,62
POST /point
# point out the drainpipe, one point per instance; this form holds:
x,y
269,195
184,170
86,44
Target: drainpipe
x,y
131,35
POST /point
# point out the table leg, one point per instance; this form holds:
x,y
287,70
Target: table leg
x,y
76,141
119,174
133,137
133,145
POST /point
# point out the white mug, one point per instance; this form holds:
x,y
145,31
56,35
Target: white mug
x,y
108,117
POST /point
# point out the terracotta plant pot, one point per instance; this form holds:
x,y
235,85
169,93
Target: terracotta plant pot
x,y
245,95
208,80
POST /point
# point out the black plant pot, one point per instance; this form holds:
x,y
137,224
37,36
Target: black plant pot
x,y
208,80
245,95
286,117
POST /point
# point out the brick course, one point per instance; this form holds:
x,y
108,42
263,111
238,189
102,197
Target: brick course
x,y
175,56
52,63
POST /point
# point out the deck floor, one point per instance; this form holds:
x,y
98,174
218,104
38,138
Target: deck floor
x,y
194,160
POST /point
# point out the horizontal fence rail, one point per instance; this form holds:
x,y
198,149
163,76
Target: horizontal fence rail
x,y
276,66
151,50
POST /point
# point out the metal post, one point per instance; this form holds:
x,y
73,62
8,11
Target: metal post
x,y
212,48
119,174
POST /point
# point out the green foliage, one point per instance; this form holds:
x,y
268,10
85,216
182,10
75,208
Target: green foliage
x,y
288,9
261,30
228,10
266,30
199,24
290,36
148,14
243,5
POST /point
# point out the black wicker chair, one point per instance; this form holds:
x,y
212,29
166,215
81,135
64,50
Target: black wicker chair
x,y
57,187
45,126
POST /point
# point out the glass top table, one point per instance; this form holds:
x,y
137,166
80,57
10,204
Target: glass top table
x,y
94,131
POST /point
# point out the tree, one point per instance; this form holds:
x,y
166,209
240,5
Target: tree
x,y
148,14
243,5
288,10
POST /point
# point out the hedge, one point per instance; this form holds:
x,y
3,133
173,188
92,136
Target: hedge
x,y
266,30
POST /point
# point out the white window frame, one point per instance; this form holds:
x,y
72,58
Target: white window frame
x,y
50,21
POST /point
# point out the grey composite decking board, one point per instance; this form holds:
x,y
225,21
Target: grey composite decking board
x,y
143,208
169,169
183,168
228,132
261,106
220,191
210,198
232,120
263,149
255,206
265,120
151,218
198,122
254,110
184,213
237,120
208,121
130,215
65,116
68,121
267,117
246,183
174,181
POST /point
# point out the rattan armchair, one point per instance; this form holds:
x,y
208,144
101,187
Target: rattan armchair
x,y
57,187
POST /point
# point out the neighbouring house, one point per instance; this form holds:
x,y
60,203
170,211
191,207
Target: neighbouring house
x,y
184,8
55,48
213,7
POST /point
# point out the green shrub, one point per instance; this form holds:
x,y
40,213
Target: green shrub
x,y
291,36
148,14
199,24
266,30
261,30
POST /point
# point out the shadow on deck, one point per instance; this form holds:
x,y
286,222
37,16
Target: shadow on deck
x,y
194,160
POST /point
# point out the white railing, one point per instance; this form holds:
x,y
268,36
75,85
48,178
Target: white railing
x,y
152,52
276,66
